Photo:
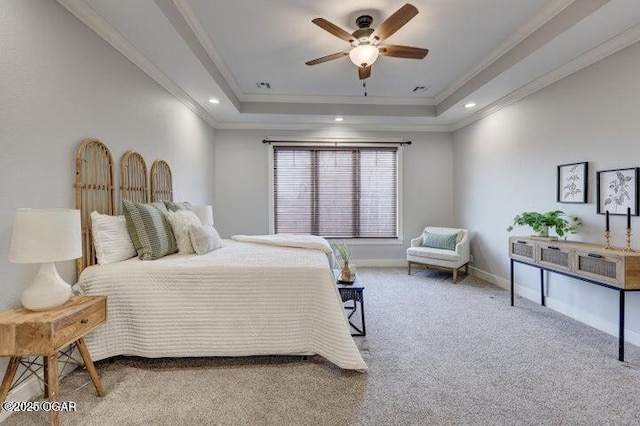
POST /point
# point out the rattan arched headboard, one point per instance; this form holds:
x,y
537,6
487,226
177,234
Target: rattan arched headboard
x,y
94,192
161,181
133,178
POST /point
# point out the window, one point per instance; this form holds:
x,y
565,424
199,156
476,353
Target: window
x,y
336,192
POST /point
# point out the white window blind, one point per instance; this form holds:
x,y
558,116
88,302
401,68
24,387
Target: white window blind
x,y
341,192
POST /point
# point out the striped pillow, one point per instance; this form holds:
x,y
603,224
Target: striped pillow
x,y
439,241
174,207
149,229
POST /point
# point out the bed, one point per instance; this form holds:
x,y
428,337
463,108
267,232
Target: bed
x,y
243,299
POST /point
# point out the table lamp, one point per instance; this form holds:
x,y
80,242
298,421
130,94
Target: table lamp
x,y
205,214
46,236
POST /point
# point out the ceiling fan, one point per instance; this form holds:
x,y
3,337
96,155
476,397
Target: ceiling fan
x,y
365,41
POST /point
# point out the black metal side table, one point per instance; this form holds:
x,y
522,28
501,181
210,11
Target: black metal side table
x,y
353,292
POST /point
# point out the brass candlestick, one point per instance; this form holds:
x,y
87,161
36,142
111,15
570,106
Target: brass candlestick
x,y
628,247
607,237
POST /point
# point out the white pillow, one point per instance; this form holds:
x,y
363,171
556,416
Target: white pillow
x,y
204,238
111,238
181,221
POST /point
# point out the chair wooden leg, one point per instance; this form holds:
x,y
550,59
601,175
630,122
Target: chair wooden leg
x,y
466,269
409,266
455,275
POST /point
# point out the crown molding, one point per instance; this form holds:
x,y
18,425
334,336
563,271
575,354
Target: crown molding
x,y
351,100
544,15
373,127
192,20
81,10
85,13
611,46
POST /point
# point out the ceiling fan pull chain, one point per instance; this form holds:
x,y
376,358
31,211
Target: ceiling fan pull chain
x,y
364,85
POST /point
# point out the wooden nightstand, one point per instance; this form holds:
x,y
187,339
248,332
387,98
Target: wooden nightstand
x,y
25,333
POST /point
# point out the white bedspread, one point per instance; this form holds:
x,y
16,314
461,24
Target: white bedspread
x,y
243,299
288,240
313,242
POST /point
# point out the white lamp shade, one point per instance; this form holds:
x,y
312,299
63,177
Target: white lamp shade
x,y
364,55
205,214
46,235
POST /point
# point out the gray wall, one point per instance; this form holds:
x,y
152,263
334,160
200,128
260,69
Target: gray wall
x,y
60,84
506,164
242,188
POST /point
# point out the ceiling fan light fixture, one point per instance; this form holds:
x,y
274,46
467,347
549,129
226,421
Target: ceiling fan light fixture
x,y
363,55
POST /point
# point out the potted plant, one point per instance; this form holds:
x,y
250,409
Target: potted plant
x,y
541,222
347,273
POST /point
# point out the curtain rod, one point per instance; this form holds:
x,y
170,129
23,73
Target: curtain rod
x,y
338,141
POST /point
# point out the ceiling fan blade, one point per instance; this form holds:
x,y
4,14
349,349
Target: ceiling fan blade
x,y
403,51
394,22
327,58
333,29
364,72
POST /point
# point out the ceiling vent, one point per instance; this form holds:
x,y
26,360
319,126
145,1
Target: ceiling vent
x,y
420,89
263,85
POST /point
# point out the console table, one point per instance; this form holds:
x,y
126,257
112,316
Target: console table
x,y
611,268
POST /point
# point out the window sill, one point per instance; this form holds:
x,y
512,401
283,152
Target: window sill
x,y
367,241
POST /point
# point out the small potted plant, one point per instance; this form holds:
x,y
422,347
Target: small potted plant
x,y
541,222
347,273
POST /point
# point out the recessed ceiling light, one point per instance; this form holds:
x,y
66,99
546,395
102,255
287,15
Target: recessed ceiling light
x,y
214,101
339,119
469,104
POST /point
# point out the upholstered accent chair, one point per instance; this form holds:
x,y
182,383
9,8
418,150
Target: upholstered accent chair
x,y
440,248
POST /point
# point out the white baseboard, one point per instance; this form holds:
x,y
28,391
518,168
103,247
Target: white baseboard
x,y
493,279
382,263
571,311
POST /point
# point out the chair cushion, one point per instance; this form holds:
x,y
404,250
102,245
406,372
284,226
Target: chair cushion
x,y
433,253
441,230
439,241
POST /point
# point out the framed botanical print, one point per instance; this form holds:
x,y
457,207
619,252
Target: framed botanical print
x,y
572,182
617,191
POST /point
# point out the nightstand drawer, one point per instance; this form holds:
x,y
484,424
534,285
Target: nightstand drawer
x,y
71,328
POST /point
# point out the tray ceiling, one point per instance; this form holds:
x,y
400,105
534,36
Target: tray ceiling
x,y
491,52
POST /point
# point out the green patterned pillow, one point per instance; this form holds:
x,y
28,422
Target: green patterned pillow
x,y
174,207
439,241
149,229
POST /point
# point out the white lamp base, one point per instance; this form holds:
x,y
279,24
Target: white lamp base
x,y
47,291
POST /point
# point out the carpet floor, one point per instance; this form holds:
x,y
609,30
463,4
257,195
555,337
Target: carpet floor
x,y
438,354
